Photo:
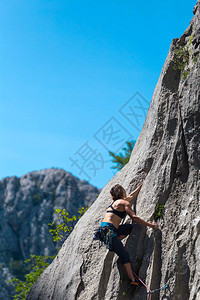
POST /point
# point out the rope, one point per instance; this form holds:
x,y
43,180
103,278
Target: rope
x,y
143,284
149,291
162,288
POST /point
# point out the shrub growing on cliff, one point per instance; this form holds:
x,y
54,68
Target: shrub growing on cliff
x,y
159,211
181,57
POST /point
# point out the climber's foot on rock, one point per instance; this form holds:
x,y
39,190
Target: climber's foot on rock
x,y
135,282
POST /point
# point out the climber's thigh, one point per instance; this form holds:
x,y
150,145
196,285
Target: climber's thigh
x,y
124,229
120,250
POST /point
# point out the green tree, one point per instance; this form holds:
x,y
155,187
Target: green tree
x,y
37,264
65,225
122,159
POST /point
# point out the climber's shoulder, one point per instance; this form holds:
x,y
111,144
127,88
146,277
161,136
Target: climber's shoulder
x,y
123,202
127,207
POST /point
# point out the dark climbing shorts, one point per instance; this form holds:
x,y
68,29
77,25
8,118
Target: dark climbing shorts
x,y
117,246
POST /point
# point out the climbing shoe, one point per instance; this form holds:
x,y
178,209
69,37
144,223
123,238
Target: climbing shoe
x,y
135,283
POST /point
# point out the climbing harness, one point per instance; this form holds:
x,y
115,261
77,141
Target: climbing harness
x,y
149,291
104,235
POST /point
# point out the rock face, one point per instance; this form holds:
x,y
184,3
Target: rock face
x,y
167,158
27,205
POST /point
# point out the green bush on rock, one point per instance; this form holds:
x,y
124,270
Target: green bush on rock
x,y
182,56
159,211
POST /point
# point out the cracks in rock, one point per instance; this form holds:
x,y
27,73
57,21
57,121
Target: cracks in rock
x,y
171,78
182,275
164,195
147,165
140,247
105,274
86,257
140,250
157,264
179,167
81,286
143,257
144,170
182,164
165,100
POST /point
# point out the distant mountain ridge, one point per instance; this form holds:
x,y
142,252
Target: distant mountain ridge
x,y
27,205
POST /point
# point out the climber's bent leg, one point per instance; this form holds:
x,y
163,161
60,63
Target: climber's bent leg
x,y
120,250
124,257
129,272
124,230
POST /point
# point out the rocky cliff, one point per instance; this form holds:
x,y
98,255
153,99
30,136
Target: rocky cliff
x,y
27,205
167,158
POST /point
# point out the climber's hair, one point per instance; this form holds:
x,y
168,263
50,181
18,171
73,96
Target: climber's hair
x,y
117,192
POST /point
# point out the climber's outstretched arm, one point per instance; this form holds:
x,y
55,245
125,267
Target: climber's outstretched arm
x,y
138,220
132,195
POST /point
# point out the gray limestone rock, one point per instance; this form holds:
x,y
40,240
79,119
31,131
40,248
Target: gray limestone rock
x,y
27,205
167,158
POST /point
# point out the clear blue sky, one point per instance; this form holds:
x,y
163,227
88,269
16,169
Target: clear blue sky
x,y
67,67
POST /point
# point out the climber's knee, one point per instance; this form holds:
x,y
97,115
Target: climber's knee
x,y
124,229
125,258
120,250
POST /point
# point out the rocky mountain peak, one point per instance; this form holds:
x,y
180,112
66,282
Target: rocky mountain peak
x,y
27,205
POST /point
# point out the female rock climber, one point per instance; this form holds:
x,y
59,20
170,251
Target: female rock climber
x,y
110,224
